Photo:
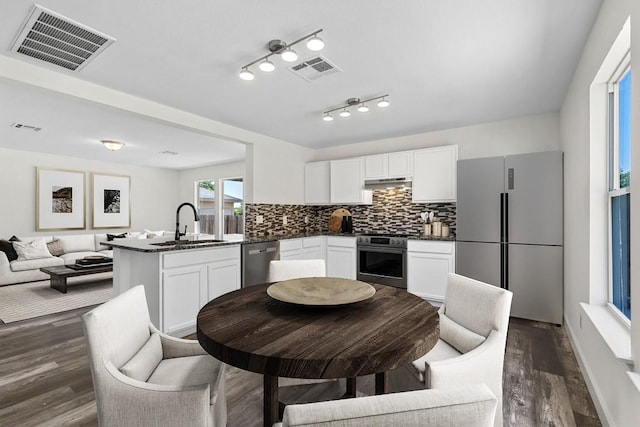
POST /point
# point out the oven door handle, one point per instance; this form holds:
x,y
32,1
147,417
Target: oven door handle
x,y
391,250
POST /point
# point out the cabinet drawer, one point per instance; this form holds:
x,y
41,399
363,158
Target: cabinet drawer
x,y
290,245
199,256
345,242
431,246
312,242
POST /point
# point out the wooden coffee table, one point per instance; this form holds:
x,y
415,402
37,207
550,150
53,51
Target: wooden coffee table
x,y
60,273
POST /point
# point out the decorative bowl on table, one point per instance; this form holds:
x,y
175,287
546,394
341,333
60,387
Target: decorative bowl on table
x,y
321,291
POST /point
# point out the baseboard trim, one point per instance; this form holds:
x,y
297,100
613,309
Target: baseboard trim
x,y
596,395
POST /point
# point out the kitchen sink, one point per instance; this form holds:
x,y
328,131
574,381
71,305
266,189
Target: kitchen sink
x,y
187,242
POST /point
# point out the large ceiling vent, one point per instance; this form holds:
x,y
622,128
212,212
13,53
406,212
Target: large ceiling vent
x,y
314,68
50,37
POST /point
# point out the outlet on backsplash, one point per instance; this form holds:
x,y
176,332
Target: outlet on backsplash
x,y
259,219
284,220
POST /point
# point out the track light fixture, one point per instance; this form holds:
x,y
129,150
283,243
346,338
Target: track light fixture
x,y
279,47
362,106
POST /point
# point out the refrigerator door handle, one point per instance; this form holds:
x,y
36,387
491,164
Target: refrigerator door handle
x,y
502,218
506,217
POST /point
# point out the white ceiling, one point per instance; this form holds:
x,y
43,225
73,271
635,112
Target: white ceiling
x,y
444,64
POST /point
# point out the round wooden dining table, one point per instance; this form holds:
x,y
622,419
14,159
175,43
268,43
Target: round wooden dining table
x,y
252,331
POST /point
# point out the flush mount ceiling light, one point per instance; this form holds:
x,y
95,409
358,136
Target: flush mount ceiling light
x,y
279,47
112,145
351,102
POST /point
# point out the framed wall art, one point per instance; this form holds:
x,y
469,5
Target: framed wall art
x,y
111,201
60,200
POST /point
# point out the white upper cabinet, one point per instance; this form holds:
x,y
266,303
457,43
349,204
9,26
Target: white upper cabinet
x,y
434,176
389,165
316,183
347,181
376,166
401,164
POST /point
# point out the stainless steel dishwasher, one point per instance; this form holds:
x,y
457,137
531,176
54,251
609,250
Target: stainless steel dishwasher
x,y
255,261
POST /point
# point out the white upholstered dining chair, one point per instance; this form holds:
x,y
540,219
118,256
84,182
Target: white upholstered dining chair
x,y
143,377
474,319
280,270
468,406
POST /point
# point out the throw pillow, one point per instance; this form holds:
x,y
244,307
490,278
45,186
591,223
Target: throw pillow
x,y
458,336
110,237
55,248
145,361
153,234
6,246
36,249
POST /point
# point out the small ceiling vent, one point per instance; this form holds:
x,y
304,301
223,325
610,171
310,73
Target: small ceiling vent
x,y
314,68
50,37
25,127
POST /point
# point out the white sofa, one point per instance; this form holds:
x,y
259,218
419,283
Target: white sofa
x,y
74,246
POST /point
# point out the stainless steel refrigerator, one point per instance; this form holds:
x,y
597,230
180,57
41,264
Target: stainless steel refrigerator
x,y
510,229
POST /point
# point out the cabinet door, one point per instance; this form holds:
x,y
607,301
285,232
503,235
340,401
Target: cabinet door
x,y
316,183
293,254
376,166
184,292
427,274
434,176
400,164
314,248
347,181
223,277
341,262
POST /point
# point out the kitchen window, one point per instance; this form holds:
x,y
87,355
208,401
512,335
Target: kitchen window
x,y
226,204
619,141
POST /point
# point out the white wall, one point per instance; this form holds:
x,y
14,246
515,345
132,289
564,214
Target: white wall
x,y
276,171
154,192
617,398
515,136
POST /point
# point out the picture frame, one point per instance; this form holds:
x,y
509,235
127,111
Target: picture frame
x,y
110,195
60,199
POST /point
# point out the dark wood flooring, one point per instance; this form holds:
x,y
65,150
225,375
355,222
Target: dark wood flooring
x,y
45,378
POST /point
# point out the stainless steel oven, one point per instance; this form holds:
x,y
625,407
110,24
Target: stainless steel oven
x,y
383,259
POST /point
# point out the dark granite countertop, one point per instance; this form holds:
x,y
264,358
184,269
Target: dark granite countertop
x,y
207,242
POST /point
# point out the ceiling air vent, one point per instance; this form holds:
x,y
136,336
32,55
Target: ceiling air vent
x,y
314,68
25,127
50,37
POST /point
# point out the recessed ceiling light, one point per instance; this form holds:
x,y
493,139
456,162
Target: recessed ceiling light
x,y
112,145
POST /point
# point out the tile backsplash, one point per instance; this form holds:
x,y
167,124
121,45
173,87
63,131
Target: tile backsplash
x,y
391,212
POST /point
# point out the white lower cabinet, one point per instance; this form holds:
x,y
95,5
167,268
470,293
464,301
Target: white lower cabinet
x,y
184,292
428,264
290,249
314,248
303,248
341,257
178,283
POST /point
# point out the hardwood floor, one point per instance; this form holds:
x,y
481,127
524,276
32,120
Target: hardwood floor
x,y
45,378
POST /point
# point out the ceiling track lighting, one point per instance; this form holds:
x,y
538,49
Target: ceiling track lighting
x,y
362,106
279,47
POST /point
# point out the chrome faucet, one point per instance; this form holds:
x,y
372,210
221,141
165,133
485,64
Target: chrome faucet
x,y
195,214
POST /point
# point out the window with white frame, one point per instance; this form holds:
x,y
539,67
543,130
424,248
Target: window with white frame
x,y
619,136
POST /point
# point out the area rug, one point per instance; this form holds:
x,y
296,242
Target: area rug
x,y
29,300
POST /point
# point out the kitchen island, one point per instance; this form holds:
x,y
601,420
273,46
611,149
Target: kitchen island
x,y
179,279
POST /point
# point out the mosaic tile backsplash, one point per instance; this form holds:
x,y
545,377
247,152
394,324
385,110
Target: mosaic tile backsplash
x,y
391,212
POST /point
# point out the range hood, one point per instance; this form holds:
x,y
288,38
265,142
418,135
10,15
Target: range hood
x,y
387,183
